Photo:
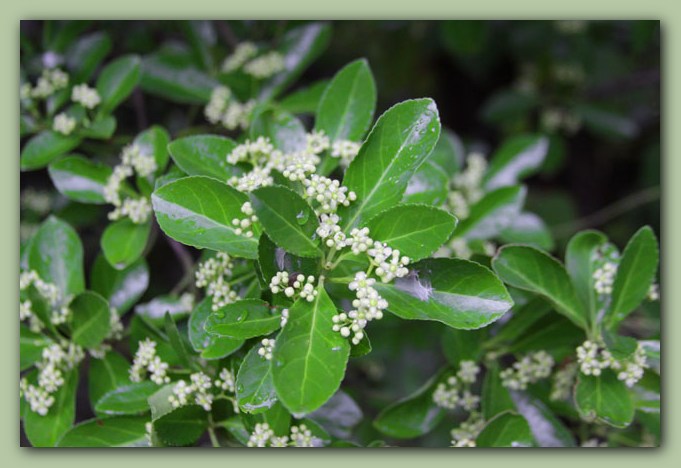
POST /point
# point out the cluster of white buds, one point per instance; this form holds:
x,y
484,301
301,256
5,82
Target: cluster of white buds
x,y
55,360
456,390
85,96
359,240
570,26
146,360
266,348
631,371
468,371
258,177
225,380
143,162
317,142
568,73
214,274
328,226
223,108
219,99
59,311
554,119
51,81
604,278
458,205
368,305
256,152
300,436
653,292
47,291
328,193
245,226
238,115
530,369
63,123
266,65
137,209
299,165
346,150
242,54
302,286
284,318
469,181
199,388
389,263
563,381
35,200
467,432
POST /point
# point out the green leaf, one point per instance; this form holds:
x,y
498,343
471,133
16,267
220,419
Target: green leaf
x,y
605,399
45,431
154,142
123,242
347,106
254,387
546,427
90,319
123,431
176,426
105,374
528,228
102,128
536,271
45,147
85,55
31,347
398,144
128,399
176,340
459,293
179,83
429,185
285,131
80,179
122,288
244,319
415,230
299,48
605,123
506,430
272,259
462,345
339,415
287,219
517,158
448,153
117,81
309,358
203,155
495,397
580,261
304,100
198,211
210,346
635,273
493,213
412,416
56,254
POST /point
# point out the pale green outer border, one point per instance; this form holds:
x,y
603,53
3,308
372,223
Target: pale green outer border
x,y
666,11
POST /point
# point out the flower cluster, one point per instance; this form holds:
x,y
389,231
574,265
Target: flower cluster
x,y
604,277
530,369
653,292
389,263
225,381
146,360
56,359
85,96
563,381
198,388
51,80
346,150
133,160
300,436
266,349
214,274
467,185
242,54
368,305
223,108
593,357
302,287
456,390
328,193
49,293
554,119
467,432
266,65
245,226
116,330
63,123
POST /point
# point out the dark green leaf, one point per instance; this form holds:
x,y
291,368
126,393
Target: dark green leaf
x,y
117,81
244,319
495,397
123,242
528,228
210,346
506,430
183,84
154,142
493,213
31,347
80,179
517,158
122,288
86,54
90,319
339,415
176,426
462,345
102,128
285,131
272,259
203,155
105,374
123,431
128,399
580,261
45,147
254,387
176,340
605,399
304,100
547,429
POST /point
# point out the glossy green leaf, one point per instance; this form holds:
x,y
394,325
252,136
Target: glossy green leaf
x,y
458,293
462,345
581,261
304,100
154,311
244,319
45,147
605,399
272,259
347,106
495,397
117,81
179,83
31,347
210,346
176,426
533,270
287,219
56,254
198,211
154,142
415,230
339,415
516,159
122,288
128,399
90,319
300,46
398,144
45,431
506,430
123,242
412,416
285,131
254,387
448,153
309,358
493,213
176,341
102,128
80,179
548,430
203,155
106,374
122,431
528,228
635,273
429,185
85,55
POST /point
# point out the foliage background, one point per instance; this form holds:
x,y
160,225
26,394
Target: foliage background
x,y
462,66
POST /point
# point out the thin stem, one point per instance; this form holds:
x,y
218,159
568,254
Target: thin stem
x,y
211,432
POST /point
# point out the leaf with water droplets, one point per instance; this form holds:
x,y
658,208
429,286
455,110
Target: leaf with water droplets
x,y
254,387
605,399
244,319
210,346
